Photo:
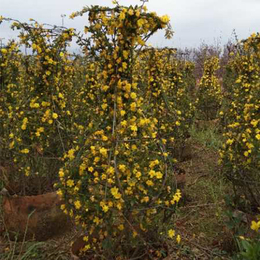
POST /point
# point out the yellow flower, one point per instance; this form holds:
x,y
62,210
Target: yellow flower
x,y
131,11
124,65
246,153
159,175
77,204
121,227
229,141
105,88
11,145
176,197
90,169
134,234
97,159
178,239
152,173
103,151
133,106
124,123
122,167
104,138
40,129
133,95
254,122
59,193
122,16
145,199
255,225
71,154
85,238
165,19
55,115
61,173
104,106
140,22
138,175
149,183
96,220
70,183
110,170
115,193
4,51
105,208
25,151
25,121
171,233
133,128
119,206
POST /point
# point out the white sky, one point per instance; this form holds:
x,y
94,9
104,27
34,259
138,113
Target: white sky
x,y
194,21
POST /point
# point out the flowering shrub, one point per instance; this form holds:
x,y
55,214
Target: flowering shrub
x,y
118,181
188,70
209,94
240,153
166,88
35,92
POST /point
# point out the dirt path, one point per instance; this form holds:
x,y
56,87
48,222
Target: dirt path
x,y
200,220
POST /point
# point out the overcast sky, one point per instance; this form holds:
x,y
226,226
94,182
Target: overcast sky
x,y
194,21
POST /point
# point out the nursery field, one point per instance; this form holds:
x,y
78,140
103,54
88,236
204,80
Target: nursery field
x,y
126,151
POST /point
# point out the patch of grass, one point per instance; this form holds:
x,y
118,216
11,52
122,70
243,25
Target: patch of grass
x,y
32,250
208,136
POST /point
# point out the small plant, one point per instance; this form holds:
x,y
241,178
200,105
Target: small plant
x,y
249,248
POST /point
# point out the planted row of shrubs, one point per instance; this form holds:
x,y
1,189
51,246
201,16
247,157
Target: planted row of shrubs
x,y
104,126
